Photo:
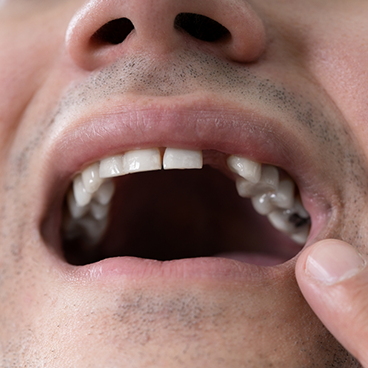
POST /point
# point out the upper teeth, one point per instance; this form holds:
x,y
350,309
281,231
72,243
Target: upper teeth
x,y
92,190
175,158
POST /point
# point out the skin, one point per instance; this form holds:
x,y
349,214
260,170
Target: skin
x,y
297,70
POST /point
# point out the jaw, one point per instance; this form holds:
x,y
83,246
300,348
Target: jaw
x,y
167,309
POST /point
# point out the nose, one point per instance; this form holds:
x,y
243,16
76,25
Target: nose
x,y
104,30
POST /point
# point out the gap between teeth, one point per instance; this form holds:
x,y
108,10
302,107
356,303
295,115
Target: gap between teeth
x,y
89,200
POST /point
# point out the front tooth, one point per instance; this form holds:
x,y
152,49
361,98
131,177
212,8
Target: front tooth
x,y
175,158
105,192
111,166
141,160
262,203
75,210
284,198
82,197
91,178
247,169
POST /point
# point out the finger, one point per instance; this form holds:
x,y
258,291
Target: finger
x,y
333,278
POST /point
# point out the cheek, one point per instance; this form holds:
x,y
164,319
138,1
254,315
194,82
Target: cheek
x,y
25,60
339,63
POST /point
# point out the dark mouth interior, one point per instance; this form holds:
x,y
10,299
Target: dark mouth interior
x,y
166,215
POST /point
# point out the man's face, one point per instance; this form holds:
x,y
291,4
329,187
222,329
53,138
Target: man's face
x,y
283,84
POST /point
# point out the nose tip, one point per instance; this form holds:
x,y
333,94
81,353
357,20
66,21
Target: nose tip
x,y
103,31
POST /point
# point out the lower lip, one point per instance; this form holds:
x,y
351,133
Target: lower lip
x,y
210,268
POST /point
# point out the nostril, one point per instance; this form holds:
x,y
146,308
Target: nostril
x,y
200,27
113,32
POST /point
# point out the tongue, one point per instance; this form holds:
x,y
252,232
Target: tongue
x,y
253,258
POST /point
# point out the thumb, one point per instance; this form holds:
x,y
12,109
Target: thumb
x,y
334,280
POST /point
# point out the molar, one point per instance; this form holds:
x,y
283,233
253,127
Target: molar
x,y
284,198
262,203
293,221
175,158
302,236
272,197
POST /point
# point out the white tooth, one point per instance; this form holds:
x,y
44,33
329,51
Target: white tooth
x,y
280,220
247,169
111,166
75,210
141,160
262,203
105,192
269,181
81,195
91,177
175,158
94,229
302,236
284,198
300,210
245,188
99,211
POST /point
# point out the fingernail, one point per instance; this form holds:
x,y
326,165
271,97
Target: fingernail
x,y
332,261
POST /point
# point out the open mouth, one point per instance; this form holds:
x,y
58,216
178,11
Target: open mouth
x,y
171,203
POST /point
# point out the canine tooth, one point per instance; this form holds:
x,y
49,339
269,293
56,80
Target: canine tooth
x,y
105,192
99,211
247,169
91,177
75,210
176,158
262,203
82,197
110,167
141,160
284,198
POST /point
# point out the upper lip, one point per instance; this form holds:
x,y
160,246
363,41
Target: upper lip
x,y
188,122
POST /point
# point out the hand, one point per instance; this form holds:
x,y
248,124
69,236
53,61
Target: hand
x,y
333,278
